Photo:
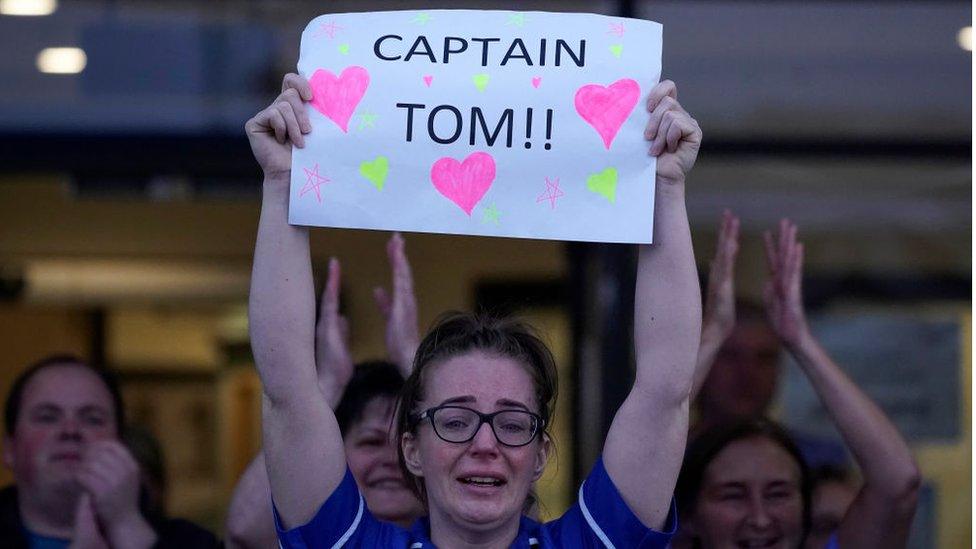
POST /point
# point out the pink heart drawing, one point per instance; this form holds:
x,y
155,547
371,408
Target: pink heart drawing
x,y
536,81
428,79
606,108
464,183
337,98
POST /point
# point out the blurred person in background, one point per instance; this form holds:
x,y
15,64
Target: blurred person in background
x,y
364,398
746,484
75,482
738,361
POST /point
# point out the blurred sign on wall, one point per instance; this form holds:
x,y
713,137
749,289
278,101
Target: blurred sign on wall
x,y
908,365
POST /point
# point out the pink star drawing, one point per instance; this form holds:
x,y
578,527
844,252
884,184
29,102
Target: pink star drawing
x,y
616,29
552,193
327,29
313,182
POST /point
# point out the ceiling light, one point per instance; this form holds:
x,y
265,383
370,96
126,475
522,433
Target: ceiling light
x,y
61,60
965,38
28,7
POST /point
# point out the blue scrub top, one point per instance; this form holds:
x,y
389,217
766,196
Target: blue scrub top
x,y
598,518
37,541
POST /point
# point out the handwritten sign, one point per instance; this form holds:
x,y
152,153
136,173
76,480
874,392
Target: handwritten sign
x,y
495,123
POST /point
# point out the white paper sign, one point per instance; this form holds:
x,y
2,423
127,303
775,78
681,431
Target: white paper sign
x,y
495,123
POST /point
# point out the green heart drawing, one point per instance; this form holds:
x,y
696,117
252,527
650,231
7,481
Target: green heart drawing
x,y
481,81
376,171
617,50
344,49
604,184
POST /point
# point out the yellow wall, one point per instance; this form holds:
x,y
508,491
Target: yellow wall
x,y
949,466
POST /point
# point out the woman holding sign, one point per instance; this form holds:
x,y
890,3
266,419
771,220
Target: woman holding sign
x,y
474,412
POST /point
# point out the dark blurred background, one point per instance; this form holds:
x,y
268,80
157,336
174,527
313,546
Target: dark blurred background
x,y
129,201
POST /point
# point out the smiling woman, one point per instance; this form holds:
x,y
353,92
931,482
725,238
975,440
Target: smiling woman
x,y
747,485
365,415
728,469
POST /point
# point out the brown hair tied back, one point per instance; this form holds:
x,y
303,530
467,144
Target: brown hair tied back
x,y
455,333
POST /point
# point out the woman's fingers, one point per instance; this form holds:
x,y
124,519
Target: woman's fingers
x,y
798,266
684,127
794,262
383,302
298,83
292,97
330,296
660,139
784,258
734,233
728,240
654,123
263,122
277,123
402,274
291,123
663,89
784,243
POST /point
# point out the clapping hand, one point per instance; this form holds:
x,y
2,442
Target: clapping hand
x,y
333,361
399,308
783,294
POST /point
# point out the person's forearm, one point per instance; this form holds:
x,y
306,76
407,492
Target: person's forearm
x,y
302,443
651,425
332,389
250,523
881,453
711,342
281,310
882,511
668,312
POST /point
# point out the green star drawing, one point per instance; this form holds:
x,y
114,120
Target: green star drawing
x,y
517,19
367,120
491,214
422,18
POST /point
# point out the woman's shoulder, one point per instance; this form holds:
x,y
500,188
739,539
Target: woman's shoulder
x,y
600,518
343,520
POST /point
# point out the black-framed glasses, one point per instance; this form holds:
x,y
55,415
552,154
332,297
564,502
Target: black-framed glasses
x,y
459,424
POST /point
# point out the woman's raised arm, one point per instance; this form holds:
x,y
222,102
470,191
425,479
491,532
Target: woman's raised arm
x,y
647,438
302,444
718,319
882,511
249,523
